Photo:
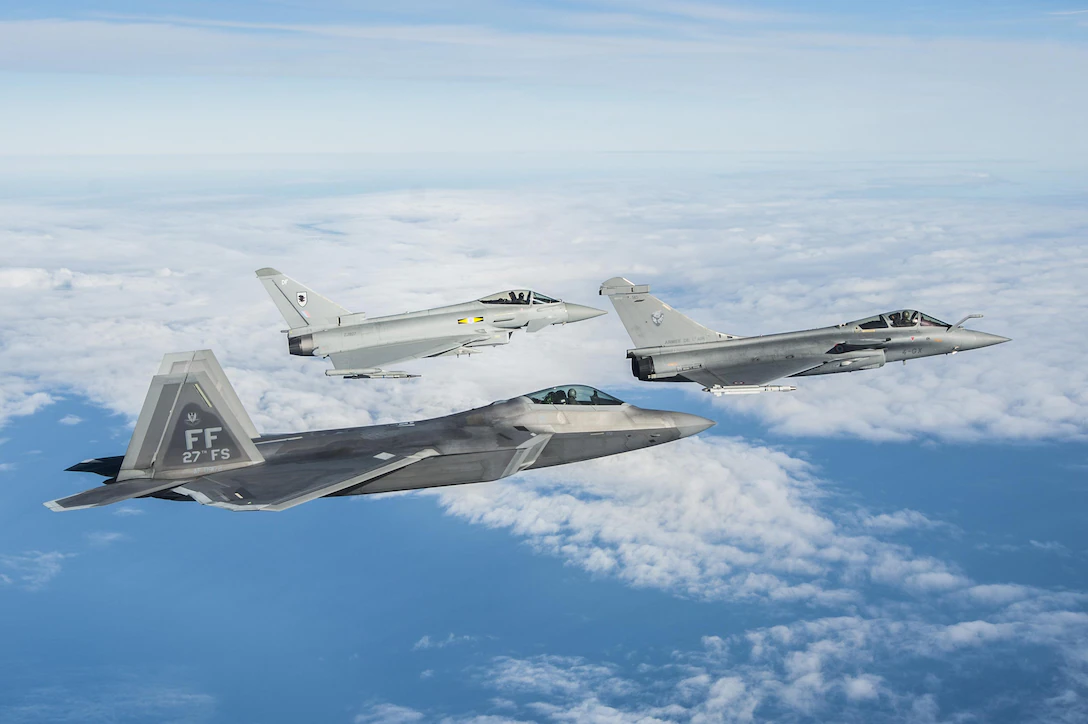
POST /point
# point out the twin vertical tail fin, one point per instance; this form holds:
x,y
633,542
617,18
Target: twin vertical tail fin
x,y
299,305
651,322
192,424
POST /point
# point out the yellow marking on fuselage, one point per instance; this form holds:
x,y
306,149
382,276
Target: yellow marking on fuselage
x,y
470,320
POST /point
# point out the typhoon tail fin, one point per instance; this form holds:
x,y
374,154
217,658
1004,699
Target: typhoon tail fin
x,y
192,424
299,305
651,322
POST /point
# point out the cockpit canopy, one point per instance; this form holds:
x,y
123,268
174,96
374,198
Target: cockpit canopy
x,y
900,318
573,395
518,296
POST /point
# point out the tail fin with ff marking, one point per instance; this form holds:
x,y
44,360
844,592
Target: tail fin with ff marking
x,y
299,305
651,322
192,424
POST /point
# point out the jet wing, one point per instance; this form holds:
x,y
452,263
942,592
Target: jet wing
x,y
374,357
279,486
752,372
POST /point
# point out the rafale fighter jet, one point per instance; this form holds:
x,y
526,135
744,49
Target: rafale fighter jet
x,y
674,348
194,441
361,347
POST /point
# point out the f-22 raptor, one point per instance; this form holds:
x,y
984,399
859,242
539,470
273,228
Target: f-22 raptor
x,y
673,348
194,441
360,347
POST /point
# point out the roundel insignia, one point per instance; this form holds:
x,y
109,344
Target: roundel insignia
x,y
300,297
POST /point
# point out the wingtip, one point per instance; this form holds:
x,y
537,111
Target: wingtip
x,y
54,506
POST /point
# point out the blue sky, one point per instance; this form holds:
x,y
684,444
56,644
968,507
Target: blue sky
x,y
905,544
978,80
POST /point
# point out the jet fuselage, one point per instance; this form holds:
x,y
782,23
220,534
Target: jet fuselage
x,y
842,348
491,442
493,324
194,441
362,347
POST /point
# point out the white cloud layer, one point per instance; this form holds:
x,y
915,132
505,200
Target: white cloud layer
x,y
113,285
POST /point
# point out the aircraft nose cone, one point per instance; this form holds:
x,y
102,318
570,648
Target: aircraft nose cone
x,y
578,313
688,425
978,340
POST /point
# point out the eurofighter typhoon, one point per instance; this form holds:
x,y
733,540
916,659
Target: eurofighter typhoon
x,y
360,348
194,441
673,348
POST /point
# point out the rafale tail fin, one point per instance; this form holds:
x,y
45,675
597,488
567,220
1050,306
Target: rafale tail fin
x,y
299,305
651,322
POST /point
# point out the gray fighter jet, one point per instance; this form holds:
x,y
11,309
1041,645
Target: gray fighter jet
x,y
674,348
361,347
194,441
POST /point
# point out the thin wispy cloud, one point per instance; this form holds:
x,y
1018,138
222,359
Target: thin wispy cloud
x,y
105,538
32,570
426,642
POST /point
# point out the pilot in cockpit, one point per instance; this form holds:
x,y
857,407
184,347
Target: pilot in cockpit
x,y
556,397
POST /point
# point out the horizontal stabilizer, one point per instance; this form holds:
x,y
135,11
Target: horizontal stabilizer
x,y
108,467
107,494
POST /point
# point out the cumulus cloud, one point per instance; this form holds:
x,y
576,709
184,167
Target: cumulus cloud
x,y
847,668
549,675
712,518
70,420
